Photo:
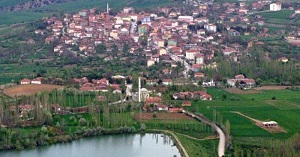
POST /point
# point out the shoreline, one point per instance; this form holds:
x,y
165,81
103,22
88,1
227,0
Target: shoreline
x,y
75,137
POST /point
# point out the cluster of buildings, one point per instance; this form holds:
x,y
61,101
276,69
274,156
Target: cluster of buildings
x,y
192,38
156,104
240,81
102,85
37,80
197,95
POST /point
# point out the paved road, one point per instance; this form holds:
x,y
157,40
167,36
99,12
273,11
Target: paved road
x,y
128,94
178,59
222,140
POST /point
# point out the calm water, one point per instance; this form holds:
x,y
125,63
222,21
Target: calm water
x,y
136,145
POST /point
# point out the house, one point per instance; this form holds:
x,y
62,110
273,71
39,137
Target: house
x,y
162,51
167,82
241,81
202,95
228,50
233,33
150,62
210,28
185,18
186,103
198,75
162,107
25,81
283,59
199,58
153,100
190,54
37,80
175,110
81,80
270,124
210,83
275,6
151,103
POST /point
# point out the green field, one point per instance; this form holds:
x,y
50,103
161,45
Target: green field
x,y
192,128
285,110
283,14
199,148
8,3
74,6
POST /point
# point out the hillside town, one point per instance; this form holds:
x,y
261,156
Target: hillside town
x,y
168,35
218,77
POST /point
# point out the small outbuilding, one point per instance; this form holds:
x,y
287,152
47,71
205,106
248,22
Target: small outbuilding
x,y
270,124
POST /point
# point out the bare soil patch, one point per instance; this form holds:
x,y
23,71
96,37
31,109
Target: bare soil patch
x,y
29,89
239,91
162,116
277,129
272,88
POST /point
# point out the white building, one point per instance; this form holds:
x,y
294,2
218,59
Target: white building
x,y
190,54
144,94
275,6
211,28
185,18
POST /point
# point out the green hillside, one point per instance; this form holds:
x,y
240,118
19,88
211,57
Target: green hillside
x,y
72,6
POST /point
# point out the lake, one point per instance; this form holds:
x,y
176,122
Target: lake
x,y
126,145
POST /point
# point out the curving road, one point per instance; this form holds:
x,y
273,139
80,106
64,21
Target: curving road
x,y
222,141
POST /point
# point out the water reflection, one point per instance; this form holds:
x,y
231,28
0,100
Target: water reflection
x,y
135,145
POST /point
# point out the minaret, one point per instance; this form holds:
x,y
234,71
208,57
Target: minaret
x,y
107,7
139,89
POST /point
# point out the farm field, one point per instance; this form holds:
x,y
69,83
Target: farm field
x,y
14,72
199,148
162,116
29,89
284,109
74,6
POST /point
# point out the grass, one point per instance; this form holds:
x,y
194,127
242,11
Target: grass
x,y
197,148
17,72
189,127
283,14
9,3
75,6
278,21
285,110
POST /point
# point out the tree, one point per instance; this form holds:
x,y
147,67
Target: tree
x,y
144,40
82,122
143,127
224,96
101,48
227,133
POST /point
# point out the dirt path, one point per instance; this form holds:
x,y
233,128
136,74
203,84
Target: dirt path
x,y
255,120
199,139
177,140
259,124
